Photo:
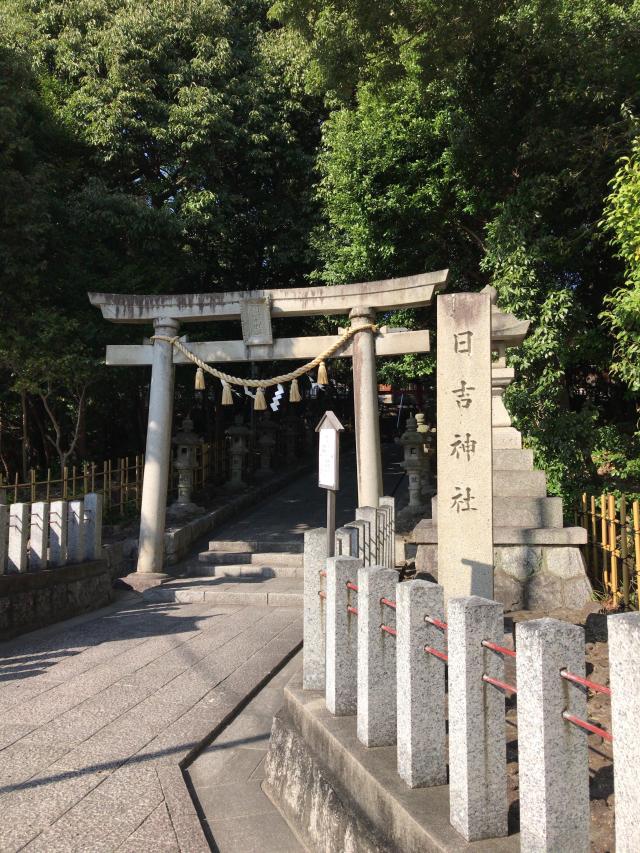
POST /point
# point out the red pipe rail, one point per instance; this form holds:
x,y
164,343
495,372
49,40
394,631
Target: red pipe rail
x,y
388,603
442,625
592,685
322,594
389,630
352,586
323,574
431,651
589,727
501,684
351,609
502,650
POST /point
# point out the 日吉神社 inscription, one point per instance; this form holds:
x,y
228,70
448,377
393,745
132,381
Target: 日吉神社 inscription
x,y
465,503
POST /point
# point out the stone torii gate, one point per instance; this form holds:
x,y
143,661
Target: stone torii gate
x,y
255,309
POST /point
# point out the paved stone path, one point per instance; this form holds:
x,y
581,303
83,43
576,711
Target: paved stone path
x,y
227,779
99,712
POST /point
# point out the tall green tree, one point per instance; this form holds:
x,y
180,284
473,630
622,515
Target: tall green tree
x,y
483,136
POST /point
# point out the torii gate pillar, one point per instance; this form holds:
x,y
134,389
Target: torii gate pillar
x,y
158,453
365,403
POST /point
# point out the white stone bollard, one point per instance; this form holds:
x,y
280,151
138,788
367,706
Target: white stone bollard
x,y
376,657
477,744
369,515
347,541
313,649
92,526
58,522
361,527
39,536
552,753
390,503
18,538
384,518
624,664
341,636
75,532
4,536
422,727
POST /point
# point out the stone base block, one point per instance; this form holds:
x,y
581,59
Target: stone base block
x,y
339,795
35,599
529,577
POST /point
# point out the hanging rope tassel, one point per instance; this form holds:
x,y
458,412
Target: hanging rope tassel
x,y
200,386
323,378
227,399
294,392
260,404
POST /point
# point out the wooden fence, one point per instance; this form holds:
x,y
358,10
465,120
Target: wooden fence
x,y
612,552
118,480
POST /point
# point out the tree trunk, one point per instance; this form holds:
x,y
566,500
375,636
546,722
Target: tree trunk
x,y
26,444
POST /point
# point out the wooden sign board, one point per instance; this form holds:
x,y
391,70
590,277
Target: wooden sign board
x,y
329,452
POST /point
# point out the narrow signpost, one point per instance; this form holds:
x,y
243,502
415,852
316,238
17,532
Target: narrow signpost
x,y
329,430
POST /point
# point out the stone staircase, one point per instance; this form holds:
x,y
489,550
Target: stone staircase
x,y
251,559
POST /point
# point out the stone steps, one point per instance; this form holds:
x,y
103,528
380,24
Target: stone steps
x,y
520,484
238,546
246,570
222,558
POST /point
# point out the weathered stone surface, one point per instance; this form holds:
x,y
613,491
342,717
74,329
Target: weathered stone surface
x,y
624,658
376,657
552,753
421,715
39,536
509,591
477,750
341,677
347,542
563,563
576,592
313,655
465,497
18,538
520,562
543,592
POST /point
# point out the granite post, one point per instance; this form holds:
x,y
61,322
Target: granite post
x,y
384,519
155,481
477,745
361,528
347,541
552,753
18,538
313,650
39,536
422,732
58,522
624,667
390,502
4,536
376,724
341,689
465,488
93,526
369,515
75,532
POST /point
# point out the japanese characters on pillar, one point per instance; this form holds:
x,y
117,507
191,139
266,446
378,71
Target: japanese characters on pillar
x,y
465,487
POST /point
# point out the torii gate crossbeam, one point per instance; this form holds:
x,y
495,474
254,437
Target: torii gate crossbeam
x,y
359,301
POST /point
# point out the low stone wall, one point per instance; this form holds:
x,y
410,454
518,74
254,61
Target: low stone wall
x,y
528,577
34,599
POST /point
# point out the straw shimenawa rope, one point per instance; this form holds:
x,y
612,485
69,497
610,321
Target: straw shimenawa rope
x,y
275,380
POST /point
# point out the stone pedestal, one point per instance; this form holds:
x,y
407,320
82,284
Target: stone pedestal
x,y
238,435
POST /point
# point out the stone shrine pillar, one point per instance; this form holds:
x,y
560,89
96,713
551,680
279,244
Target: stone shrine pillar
x,y
156,465
465,470
365,400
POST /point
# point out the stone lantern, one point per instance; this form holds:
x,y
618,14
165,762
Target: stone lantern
x,y
186,443
428,440
413,446
266,443
238,449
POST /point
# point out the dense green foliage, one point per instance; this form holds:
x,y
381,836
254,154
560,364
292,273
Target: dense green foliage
x,y
483,136
206,144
